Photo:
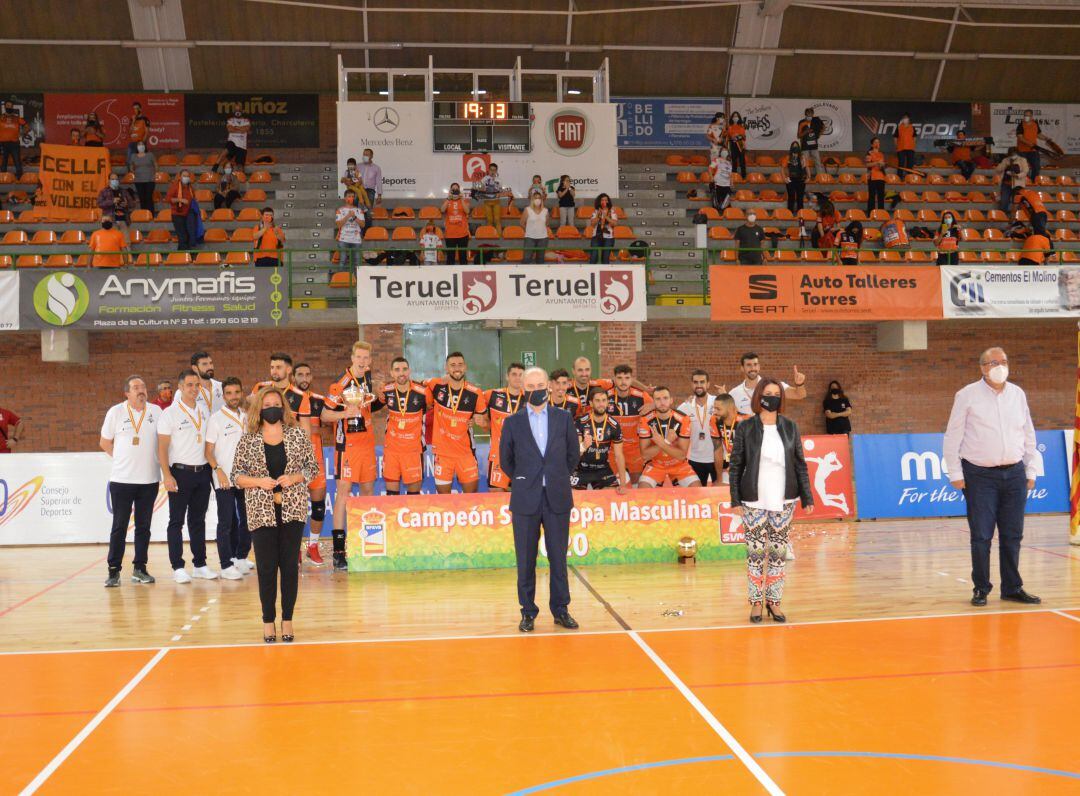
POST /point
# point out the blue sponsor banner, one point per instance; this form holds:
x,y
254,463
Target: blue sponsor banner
x,y
665,122
903,475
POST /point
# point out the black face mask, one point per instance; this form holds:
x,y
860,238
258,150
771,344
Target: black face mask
x,y
536,397
106,225
272,414
770,403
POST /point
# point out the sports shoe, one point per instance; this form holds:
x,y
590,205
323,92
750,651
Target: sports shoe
x,y
789,554
203,572
232,573
140,575
243,565
313,554
113,580
339,562
181,576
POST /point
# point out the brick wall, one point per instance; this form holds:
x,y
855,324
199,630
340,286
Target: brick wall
x,y
891,392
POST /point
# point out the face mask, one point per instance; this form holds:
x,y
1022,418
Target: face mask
x,y
228,170
1027,117
999,374
185,180
770,403
723,153
835,393
366,159
272,414
114,184
537,397
106,225
141,148
751,218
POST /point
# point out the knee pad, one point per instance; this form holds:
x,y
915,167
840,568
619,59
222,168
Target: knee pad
x,y
318,510
339,541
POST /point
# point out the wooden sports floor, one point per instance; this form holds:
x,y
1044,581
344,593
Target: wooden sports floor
x,y
885,680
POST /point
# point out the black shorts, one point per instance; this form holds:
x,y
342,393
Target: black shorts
x,y
236,153
597,479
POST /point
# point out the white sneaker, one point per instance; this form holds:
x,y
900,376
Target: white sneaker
x,y
203,572
789,555
243,565
181,576
232,573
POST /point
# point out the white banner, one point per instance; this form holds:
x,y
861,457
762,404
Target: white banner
x,y
9,301
1071,144
400,135
1026,291
1053,119
774,123
63,498
439,294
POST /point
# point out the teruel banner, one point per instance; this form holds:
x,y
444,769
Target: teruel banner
x,y
904,475
9,302
932,120
1025,291
142,298
774,123
438,294
466,531
71,177
165,113
665,122
824,293
277,120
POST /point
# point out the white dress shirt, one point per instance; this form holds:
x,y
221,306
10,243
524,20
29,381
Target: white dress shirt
x,y
701,447
186,429
133,463
989,428
742,395
224,430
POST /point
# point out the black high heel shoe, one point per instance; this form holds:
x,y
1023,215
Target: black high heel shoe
x,y
755,617
286,637
269,639
776,615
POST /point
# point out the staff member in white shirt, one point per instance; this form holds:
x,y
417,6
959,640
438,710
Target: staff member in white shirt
x,y
208,394
989,451
182,455
129,436
744,390
223,432
703,443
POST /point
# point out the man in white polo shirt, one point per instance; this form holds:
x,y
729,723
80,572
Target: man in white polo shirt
x,y
744,390
186,475
209,393
223,433
129,436
704,434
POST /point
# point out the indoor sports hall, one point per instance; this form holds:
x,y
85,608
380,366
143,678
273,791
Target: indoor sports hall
x,y
501,398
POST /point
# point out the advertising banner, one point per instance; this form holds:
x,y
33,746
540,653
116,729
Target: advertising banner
x,y
277,120
466,531
71,177
1025,291
774,123
141,298
665,122
828,461
1053,119
165,113
30,107
63,498
904,475
557,292
932,120
824,293
400,134
9,302
1071,144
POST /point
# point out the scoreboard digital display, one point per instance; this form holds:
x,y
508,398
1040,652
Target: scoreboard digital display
x,y
490,126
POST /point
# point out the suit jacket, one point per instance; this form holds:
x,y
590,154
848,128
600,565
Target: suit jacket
x,y
746,461
527,467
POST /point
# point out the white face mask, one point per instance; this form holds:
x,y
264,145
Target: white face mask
x,y
723,153
114,184
999,374
751,218
185,180
228,170
366,159
141,148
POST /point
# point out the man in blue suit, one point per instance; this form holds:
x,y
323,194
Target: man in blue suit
x,y
539,450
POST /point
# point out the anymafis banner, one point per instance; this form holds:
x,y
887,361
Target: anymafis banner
x,y
1025,291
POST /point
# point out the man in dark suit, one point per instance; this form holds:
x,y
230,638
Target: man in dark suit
x,y
539,450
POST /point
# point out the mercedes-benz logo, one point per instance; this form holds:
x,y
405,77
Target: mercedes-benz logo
x,y
386,119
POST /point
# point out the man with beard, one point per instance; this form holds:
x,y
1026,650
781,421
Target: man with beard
x,y
502,403
601,439
744,390
314,403
403,445
281,373
704,435
209,395
665,439
560,397
627,403
223,432
456,404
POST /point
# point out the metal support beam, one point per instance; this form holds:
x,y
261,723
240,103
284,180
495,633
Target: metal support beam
x,y
163,68
758,29
569,30
948,44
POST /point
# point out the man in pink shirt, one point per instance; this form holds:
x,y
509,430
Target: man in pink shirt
x,y
989,451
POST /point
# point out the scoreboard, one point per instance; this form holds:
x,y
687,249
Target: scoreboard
x,y
490,126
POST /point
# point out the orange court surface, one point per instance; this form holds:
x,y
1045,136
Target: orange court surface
x,y
885,679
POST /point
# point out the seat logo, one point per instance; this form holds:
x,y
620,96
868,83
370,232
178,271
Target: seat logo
x,y
763,287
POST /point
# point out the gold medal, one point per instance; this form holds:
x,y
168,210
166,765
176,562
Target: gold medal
x,y
401,424
453,422
134,440
136,427
195,421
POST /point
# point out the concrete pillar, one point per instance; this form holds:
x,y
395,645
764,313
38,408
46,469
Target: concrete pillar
x,y
65,345
901,336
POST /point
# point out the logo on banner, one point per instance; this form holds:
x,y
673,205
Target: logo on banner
x,y
61,299
479,291
474,166
616,291
373,533
14,503
730,524
386,119
827,465
763,122
966,289
569,132
763,287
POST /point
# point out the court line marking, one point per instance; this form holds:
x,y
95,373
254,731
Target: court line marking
x,y
560,633
84,733
60,582
1067,616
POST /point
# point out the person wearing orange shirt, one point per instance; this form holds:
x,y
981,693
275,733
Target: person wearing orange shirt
x,y
456,404
314,404
1036,249
627,403
456,228
1029,201
501,403
350,403
947,240
875,176
179,197
93,133
905,143
108,246
140,129
12,125
961,155
1028,135
735,135
665,440
725,418
894,232
269,238
403,446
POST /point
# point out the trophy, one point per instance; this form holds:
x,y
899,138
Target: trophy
x,y
687,548
356,395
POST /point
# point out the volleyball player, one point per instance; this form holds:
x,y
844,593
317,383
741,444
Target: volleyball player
x,y
627,403
501,403
303,378
601,439
456,405
665,440
558,386
403,446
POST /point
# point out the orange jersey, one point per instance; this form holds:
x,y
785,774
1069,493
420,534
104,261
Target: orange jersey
x,y
139,128
405,410
298,400
454,408
356,430
626,409
875,162
1036,247
1027,136
11,127
582,395
1033,200
676,426
500,405
905,137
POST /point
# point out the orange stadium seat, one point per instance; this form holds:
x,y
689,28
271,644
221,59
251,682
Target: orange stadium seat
x,y
513,232
222,214
720,233
259,177
29,261
430,212
29,178
15,237
769,195
880,216
28,216
890,256
957,179
405,233
623,232
813,255
343,279
993,257
249,214
676,160
158,236
786,256
216,235
162,177
1065,216
167,160
380,213
141,216
59,261
164,215
568,233
919,256
7,178
148,258
242,235
191,159
974,215
867,256
734,214
765,161
375,234
992,234
254,195
980,179
970,257
807,215
970,234
237,258
7,217
135,236
207,258
204,197
854,214
699,160
6,261
178,258
206,178
783,214
403,212
72,237
928,216
686,177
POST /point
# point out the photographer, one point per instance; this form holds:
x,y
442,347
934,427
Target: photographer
x,y
117,202
1013,173
811,128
